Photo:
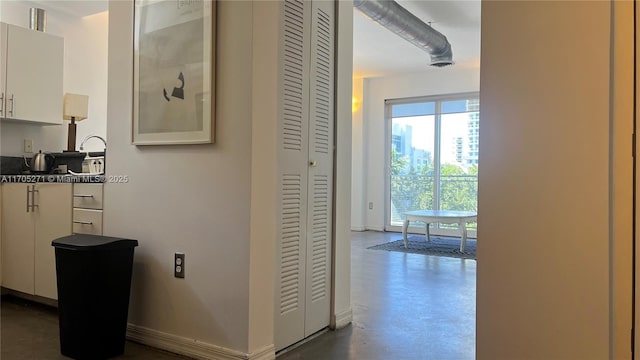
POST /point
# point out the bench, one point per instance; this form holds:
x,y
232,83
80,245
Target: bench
x,y
440,216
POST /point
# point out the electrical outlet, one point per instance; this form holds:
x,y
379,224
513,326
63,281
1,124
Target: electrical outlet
x,y
370,205
178,265
28,145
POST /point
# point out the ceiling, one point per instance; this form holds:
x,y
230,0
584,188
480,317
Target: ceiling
x,y
378,52
74,8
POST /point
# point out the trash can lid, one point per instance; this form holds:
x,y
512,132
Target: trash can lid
x,y
85,242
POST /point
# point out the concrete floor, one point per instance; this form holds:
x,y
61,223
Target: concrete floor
x,y
405,306
30,331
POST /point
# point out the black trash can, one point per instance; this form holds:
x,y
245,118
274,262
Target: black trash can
x,y
94,283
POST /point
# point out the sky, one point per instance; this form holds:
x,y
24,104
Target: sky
x,y
453,126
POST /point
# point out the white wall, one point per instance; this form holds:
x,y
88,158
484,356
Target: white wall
x,y
85,72
85,63
371,154
193,199
358,180
214,202
264,145
552,187
341,314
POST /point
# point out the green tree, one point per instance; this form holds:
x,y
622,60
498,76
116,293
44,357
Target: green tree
x,y
411,188
458,189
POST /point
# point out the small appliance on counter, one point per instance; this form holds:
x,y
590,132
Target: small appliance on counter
x,y
93,164
53,163
72,160
41,163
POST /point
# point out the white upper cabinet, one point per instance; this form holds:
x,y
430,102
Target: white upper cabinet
x,y
31,69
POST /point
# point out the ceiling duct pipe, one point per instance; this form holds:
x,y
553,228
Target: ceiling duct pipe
x,y
394,17
37,19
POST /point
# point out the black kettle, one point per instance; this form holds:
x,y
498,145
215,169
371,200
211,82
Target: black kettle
x,y
41,163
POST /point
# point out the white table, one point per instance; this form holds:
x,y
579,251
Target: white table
x,y
440,216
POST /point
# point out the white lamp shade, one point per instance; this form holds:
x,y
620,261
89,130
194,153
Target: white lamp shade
x,y
75,106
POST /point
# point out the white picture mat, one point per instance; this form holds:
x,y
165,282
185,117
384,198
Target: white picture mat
x,y
174,80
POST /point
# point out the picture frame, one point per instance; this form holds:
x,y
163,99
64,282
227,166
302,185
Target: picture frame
x,y
174,72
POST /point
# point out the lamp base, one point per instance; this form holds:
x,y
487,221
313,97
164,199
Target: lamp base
x,y
71,139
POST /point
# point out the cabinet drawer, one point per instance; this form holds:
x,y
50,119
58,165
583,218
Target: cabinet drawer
x,y
87,221
88,196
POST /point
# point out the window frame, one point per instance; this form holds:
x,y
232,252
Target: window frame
x,y
388,120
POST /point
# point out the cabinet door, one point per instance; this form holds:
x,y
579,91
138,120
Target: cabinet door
x,y
87,221
34,76
87,196
53,220
17,239
3,68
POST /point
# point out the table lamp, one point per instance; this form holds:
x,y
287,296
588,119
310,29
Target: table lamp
x,y
75,108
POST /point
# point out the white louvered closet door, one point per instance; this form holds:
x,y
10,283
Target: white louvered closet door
x,y
305,161
293,155
319,212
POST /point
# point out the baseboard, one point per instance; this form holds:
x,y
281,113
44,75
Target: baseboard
x,y
358,228
193,348
375,228
29,297
266,353
342,319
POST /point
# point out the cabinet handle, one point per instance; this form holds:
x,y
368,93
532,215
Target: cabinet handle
x,y
82,195
33,204
33,198
82,222
2,105
13,105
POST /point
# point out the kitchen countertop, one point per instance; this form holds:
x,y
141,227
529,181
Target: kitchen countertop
x,y
52,178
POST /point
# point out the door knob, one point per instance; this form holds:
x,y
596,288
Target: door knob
x,y
313,163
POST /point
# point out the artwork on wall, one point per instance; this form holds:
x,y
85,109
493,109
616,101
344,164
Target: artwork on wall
x,y
174,72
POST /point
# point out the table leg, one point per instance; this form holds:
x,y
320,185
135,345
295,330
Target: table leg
x,y
405,226
426,232
463,241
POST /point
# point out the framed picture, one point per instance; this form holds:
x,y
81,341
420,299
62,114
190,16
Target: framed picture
x,y
174,72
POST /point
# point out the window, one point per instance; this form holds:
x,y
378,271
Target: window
x,y
432,155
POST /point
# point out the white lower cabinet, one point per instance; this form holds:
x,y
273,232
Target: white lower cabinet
x,y
87,221
87,208
33,215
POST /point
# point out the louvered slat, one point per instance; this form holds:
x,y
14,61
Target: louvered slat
x,y
290,243
323,83
293,75
320,237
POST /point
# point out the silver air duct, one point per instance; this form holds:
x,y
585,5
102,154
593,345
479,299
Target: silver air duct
x,y
394,17
37,19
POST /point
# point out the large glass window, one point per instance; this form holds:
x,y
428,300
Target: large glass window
x,y
433,155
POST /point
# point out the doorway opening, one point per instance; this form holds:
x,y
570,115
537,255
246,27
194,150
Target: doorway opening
x,y
415,147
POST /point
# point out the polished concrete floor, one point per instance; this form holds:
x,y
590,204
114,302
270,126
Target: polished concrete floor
x,y
29,331
405,306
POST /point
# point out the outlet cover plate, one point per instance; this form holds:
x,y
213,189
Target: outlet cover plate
x,y
178,265
28,146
